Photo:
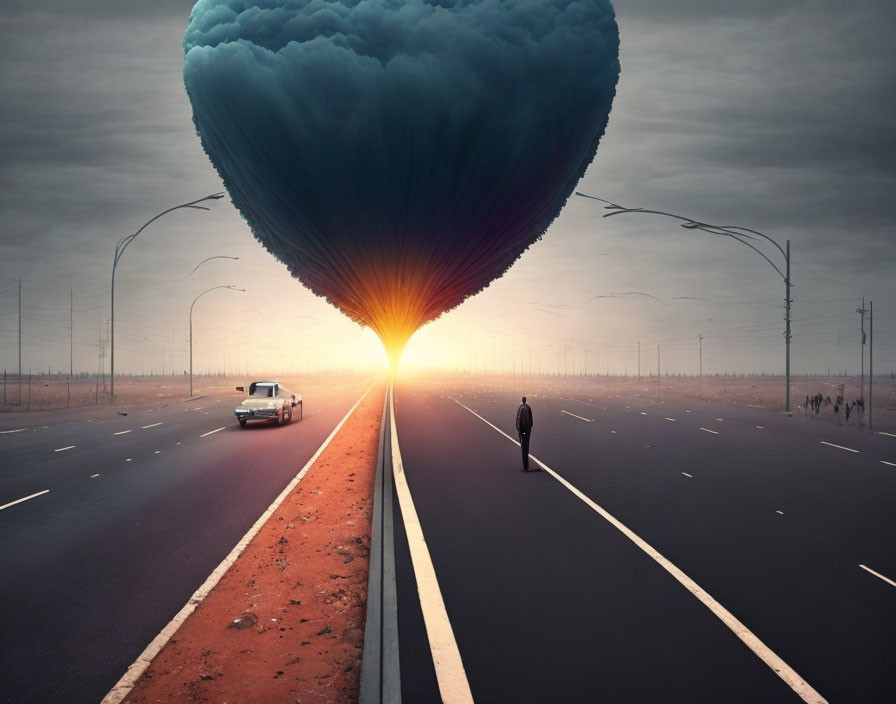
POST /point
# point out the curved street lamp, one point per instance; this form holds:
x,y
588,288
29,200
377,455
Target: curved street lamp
x,y
232,288
207,259
119,251
740,234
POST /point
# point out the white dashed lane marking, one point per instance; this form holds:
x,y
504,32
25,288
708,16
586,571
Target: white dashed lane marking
x,y
63,449
122,432
760,427
643,413
212,432
671,420
690,476
879,575
24,498
17,430
153,425
889,464
766,654
839,447
889,435
587,420
781,512
707,430
94,476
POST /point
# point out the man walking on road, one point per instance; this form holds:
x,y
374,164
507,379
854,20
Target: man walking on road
x,y
524,430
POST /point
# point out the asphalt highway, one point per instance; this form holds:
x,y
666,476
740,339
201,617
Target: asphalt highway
x,y
788,523
136,512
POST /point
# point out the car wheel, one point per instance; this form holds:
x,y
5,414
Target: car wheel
x,y
242,423
289,417
301,413
281,417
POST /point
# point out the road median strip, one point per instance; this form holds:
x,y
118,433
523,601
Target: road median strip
x,y
281,617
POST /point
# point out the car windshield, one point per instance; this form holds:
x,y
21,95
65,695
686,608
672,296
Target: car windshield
x,y
261,390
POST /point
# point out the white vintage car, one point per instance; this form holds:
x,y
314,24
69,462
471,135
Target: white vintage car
x,y
268,401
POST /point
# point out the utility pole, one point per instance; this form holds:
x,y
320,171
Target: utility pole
x,y
871,369
639,360
71,346
700,337
20,340
787,334
861,311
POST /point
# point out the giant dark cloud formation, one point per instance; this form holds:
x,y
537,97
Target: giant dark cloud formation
x,y
399,155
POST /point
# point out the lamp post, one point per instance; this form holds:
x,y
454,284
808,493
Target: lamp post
x,y
232,288
119,251
207,259
740,234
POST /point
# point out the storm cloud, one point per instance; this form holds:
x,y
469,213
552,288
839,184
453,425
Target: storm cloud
x,y
398,157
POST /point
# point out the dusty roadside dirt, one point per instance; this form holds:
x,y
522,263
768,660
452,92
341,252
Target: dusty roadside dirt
x,y
286,622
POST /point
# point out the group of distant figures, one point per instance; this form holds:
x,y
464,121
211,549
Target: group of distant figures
x,y
855,409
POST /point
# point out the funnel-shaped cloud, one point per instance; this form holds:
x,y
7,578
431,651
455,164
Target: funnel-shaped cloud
x,y
399,155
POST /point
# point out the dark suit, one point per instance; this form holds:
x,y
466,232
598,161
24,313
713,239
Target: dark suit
x,y
524,425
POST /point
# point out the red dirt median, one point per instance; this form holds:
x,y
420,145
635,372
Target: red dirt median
x,y
286,621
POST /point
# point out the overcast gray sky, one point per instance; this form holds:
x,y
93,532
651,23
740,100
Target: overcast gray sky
x,y
771,114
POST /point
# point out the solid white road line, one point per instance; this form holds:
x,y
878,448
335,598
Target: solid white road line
x,y
778,666
17,430
153,425
878,574
63,449
587,420
452,678
889,464
24,498
707,430
123,687
688,475
671,420
122,432
839,447
889,435
212,432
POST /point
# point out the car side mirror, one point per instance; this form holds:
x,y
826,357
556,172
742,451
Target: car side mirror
x,y
240,388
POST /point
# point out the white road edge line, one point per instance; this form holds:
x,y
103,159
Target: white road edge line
x,y
63,449
778,666
212,432
707,430
889,464
122,432
878,574
587,420
839,447
124,686
452,678
24,498
153,425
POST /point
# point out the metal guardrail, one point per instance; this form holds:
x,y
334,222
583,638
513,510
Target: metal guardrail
x,y
380,672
